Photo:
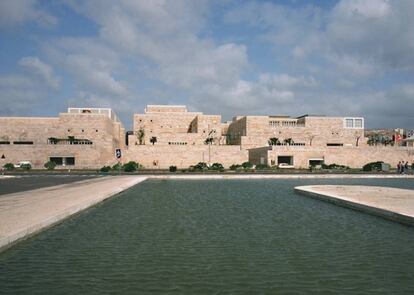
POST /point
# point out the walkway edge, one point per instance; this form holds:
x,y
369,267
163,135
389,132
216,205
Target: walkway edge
x,y
32,230
331,198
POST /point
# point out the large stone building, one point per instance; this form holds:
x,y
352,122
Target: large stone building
x,y
81,139
166,135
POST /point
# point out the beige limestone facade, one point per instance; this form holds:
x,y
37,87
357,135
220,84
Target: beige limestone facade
x,y
167,135
78,139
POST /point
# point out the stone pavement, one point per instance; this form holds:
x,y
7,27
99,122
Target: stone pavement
x,y
390,203
26,213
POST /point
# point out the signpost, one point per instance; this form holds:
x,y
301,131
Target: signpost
x,y
118,155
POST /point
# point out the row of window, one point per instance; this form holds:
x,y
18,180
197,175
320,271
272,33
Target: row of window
x,y
354,123
80,142
16,142
177,143
83,130
285,123
63,161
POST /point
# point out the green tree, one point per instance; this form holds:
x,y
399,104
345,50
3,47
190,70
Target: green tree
x,y
8,166
288,141
274,141
247,165
235,166
141,135
217,167
131,166
117,166
153,140
105,169
50,165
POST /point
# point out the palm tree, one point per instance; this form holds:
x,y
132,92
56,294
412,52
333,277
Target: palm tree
x,y
288,141
153,140
141,135
274,141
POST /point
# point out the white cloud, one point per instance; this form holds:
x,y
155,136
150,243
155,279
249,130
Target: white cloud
x,y
16,12
40,70
24,91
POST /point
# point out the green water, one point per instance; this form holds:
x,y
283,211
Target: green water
x,y
216,237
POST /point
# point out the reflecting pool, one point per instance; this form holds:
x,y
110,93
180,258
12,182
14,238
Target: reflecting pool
x,y
216,237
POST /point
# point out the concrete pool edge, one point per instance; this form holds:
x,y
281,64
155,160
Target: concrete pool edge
x,y
342,201
49,220
281,176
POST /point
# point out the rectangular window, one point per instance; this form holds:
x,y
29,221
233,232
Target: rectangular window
x,y
334,144
354,123
349,123
22,142
4,142
285,160
57,160
70,161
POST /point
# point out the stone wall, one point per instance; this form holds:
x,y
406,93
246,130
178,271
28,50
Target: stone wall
x,y
354,157
98,129
255,131
161,156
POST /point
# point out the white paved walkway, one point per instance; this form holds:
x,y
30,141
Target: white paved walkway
x,y
26,213
391,203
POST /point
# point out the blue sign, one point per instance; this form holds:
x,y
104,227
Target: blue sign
x,y
118,153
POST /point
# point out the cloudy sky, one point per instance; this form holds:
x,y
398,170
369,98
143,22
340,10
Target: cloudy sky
x,y
293,57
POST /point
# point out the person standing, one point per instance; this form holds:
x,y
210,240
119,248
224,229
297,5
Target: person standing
x,y
406,167
399,167
412,167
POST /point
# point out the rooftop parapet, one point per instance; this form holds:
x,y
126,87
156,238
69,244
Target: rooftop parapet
x,y
166,109
99,111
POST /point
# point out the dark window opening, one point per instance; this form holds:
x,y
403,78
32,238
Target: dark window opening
x,y
63,161
3,156
57,160
70,161
316,162
334,144
4,142
22,142
96,130
287,160
83,130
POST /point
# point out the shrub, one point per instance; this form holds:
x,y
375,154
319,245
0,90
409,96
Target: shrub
x,y
131,166
117,166
26,166
373,166
50,165
247,165
8,166
235,166
334,166
262,166
105,169
217,167
201,166
173,168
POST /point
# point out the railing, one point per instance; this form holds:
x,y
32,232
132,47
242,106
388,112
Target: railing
x,y
285,124
292,144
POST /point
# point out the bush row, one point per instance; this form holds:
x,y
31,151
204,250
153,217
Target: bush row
x,y
131,166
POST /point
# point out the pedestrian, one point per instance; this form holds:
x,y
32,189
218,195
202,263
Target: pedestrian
x,y
406,167
399,167
412,167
